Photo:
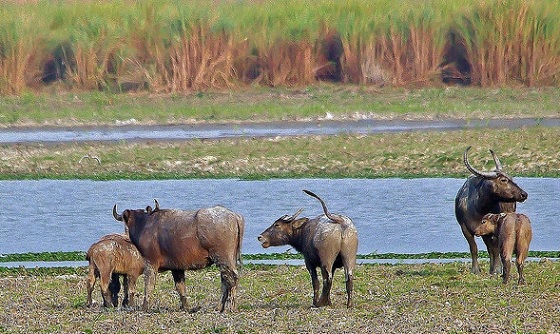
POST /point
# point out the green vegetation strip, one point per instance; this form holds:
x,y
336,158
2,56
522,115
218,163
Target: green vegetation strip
x,y
278,104
524,152
80,256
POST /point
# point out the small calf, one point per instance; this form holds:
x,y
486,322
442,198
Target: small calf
x,y
328,241
514,234
111,256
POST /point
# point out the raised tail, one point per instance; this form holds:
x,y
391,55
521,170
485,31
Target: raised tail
x,y
332,217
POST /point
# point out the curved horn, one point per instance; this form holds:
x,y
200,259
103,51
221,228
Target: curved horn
x,y
116,215
157,204
487,175
496,161
295,214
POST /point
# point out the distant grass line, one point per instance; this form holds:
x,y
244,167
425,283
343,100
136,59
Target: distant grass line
x,y
80,256
277,104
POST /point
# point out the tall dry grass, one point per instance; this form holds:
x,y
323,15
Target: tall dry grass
x,y
513,42
185,46
18,49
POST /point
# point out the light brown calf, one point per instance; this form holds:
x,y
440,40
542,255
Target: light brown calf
x,y
111,256
513,232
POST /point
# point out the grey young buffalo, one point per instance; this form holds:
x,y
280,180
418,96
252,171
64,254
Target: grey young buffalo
x,y
482,193
114,255
514,233
328,241
179,240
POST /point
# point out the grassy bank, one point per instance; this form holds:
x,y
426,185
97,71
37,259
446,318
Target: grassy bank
x,y
523,152
436,298
186,46
277,104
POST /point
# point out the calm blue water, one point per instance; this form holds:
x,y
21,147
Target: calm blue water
x,y
260,129
391,215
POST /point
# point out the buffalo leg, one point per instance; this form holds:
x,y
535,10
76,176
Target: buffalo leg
x,y
523,250
506,261
132,290
315,282
149,284
506,245
475,268
114,289
520,264
349,288
104,280
229,279
325,299
179,278
126,297
92,277
349,277
494,253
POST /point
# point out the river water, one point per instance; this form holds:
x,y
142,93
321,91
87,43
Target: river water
x,y
136,132
391,215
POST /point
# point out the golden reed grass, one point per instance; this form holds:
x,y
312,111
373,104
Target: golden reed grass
x,y
186,46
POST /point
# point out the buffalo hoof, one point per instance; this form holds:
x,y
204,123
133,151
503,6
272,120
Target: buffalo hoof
x,y
475,270
194,309
322,303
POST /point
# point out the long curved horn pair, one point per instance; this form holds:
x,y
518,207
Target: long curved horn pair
x,y
487,175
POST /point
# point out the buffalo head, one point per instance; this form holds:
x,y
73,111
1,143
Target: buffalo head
x,y
131,218
498,184
282,230
488,224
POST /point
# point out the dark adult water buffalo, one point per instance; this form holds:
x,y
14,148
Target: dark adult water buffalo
x,y
482,193
328,241
179,240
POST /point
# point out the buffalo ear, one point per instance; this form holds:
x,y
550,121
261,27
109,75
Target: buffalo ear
x,y
299,222
126,216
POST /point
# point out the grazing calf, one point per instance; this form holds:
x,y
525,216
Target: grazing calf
x,y
111,256
328,241
514,234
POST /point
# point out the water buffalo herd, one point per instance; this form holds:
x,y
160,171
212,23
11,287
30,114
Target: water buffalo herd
x,y
158,240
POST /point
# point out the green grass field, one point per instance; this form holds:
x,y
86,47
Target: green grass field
x,y
277,104
435,298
